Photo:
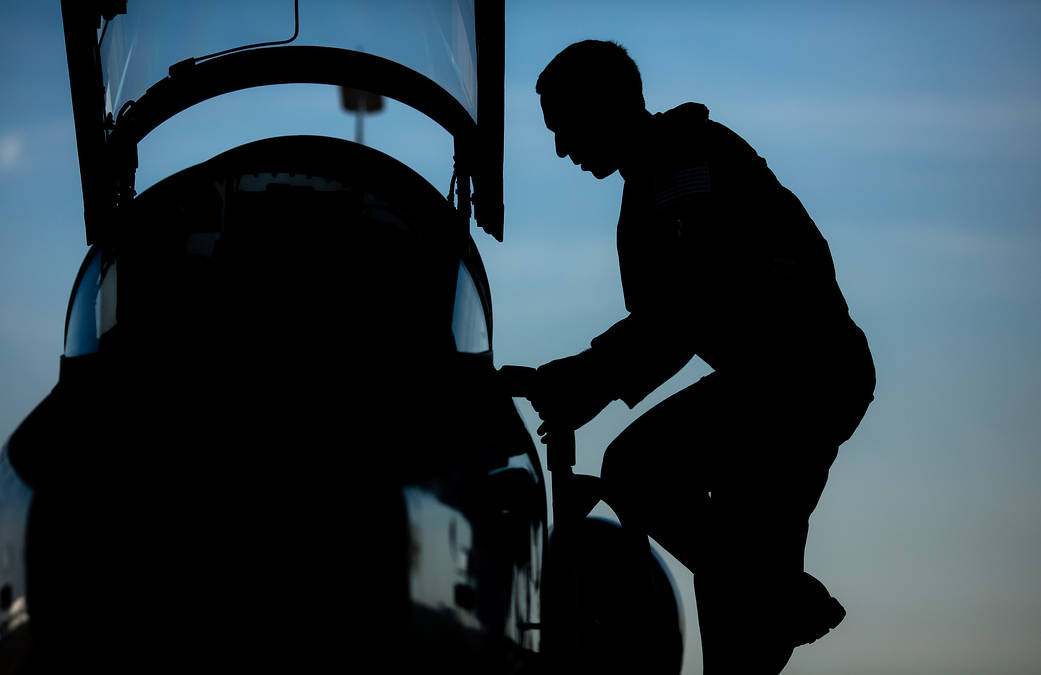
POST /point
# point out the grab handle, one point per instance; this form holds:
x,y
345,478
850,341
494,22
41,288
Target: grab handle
x,y
520,381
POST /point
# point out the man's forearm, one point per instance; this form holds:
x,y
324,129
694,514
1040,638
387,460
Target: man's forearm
x,y
639,353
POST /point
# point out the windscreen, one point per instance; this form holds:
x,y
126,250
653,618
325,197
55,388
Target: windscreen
x,y
432,37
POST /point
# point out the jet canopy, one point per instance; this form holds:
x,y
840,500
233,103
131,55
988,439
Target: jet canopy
x,y
133,65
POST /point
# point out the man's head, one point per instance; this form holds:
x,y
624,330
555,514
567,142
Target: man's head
x,y
592,95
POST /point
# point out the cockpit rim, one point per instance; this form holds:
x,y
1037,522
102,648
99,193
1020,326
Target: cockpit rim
x,y
337,160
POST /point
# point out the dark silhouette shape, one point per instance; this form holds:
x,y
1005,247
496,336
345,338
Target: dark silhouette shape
x,y
717,259
609,605
225,480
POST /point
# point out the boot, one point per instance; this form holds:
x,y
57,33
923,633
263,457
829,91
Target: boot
x,y
813,612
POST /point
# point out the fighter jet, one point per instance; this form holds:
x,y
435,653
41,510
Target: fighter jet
x,y
278,440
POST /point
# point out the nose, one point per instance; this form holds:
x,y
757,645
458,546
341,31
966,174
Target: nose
x,y
561,149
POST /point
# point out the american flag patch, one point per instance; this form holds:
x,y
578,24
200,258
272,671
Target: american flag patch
x,y
683,184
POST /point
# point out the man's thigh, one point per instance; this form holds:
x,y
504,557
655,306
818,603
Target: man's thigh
x,y
699,438
724,461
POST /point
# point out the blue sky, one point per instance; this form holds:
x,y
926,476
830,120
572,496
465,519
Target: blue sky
x,y
911,131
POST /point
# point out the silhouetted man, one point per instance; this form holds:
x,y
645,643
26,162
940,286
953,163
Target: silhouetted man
x,y
717,259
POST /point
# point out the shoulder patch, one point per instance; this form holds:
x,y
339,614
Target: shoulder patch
x,y
682,184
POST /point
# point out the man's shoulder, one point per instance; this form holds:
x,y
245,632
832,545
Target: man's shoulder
x,y
688,127
681,128
684,114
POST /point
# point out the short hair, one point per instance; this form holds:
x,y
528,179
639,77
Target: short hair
x,y
596,67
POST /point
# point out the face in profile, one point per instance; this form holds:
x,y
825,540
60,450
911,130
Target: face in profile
x,y
584,133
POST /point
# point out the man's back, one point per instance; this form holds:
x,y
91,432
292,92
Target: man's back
x,y
713,247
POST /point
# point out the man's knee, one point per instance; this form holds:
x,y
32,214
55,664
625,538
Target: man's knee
x,y
610,468
622,475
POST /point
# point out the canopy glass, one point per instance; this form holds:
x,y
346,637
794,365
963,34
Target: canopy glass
x,y
435,38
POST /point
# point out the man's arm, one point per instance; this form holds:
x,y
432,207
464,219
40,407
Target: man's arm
x,y
628,361
640,352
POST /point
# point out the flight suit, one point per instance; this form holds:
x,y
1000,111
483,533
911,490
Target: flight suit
x,y
719,260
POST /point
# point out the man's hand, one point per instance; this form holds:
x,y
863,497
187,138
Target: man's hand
x,y
568,393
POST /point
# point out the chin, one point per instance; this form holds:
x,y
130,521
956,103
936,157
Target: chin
x,y
602,173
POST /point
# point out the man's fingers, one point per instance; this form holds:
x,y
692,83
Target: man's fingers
x,y
546,409
546,429
552,437
551,431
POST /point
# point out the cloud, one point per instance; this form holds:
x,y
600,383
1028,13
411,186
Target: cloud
x,y
11,146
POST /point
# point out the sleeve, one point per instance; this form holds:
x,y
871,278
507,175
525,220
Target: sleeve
x,y
643,350
639,353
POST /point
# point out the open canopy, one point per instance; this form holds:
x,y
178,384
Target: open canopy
x,y
134,65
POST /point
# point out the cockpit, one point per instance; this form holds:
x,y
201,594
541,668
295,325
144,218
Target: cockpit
x,y
316,212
